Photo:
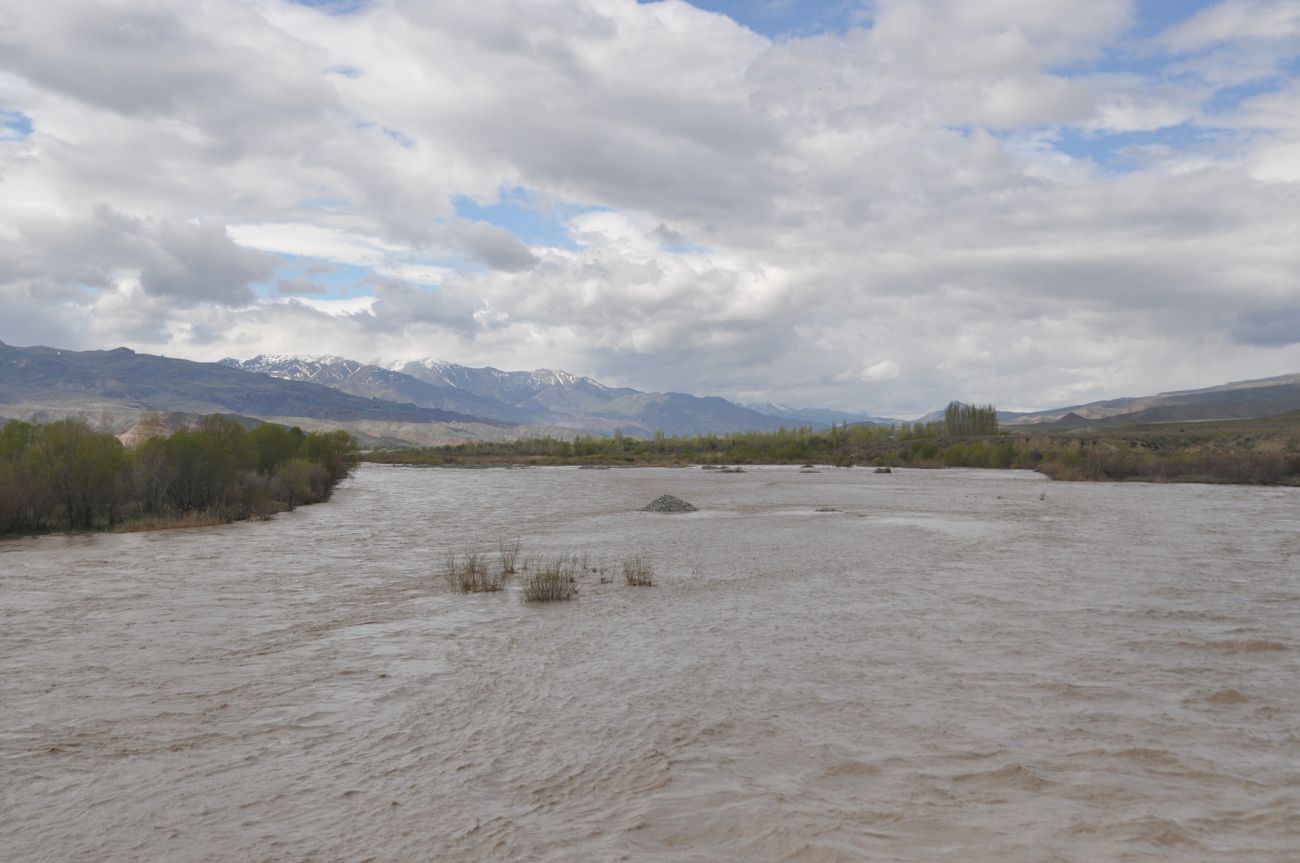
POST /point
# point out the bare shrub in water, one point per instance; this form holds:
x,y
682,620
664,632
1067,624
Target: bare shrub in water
x,y
552,580
470,573
509,551
637,572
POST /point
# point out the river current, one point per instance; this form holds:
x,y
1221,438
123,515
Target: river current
x,y
941,666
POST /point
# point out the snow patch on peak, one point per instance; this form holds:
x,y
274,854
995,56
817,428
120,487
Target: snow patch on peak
x,y
320,368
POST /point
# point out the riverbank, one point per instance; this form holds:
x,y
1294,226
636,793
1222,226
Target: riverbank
x,y
65,476
1240,452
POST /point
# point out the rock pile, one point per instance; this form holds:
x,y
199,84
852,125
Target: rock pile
x,y
668,503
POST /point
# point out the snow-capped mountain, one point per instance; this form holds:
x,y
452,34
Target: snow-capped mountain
x,y
510,387
545,399
378,382
323,369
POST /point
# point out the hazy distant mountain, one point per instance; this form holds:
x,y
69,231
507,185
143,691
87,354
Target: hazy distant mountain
x,y
1237,400
371,381
823,417
573,401
428,401
51,379
548,400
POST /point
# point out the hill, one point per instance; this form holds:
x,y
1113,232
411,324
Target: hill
x,y
816,417
36,379
1236,400
544,401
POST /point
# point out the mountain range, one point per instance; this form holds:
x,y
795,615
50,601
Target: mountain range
x,y
542,401
422,402
430,401
1237,400
816,417
117,386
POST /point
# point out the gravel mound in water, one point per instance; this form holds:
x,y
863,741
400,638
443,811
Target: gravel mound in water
x,y
668,503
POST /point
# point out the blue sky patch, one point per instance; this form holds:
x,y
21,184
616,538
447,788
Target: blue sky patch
x,y
524,214
1230,98
396,135
1155,16
1118,151
335,7
338,281
15,124
777,19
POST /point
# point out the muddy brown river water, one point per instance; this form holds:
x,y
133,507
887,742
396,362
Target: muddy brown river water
x,y
952,666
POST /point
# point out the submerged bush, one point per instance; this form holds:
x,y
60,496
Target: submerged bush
x,y
509,551
552,581
470,573
637,572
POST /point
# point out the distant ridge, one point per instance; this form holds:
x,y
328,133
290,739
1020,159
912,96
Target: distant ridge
x,y
436,401
120,379
1237,400
817,417
543,400
372,381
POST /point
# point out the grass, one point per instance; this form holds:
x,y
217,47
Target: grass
x,y
470,572
542,579
509,551
194,518
637,572
553,580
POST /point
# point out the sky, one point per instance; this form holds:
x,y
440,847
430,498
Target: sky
x,y
870,205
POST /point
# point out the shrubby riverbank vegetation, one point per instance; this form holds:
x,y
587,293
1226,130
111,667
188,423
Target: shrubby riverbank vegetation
x,y
66,476
1256,451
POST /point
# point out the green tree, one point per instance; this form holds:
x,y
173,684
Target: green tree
x,y
336,451
82,469
273,444
300,481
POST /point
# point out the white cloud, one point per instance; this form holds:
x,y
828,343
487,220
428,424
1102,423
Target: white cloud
x,y
885,370
881,219
1235,20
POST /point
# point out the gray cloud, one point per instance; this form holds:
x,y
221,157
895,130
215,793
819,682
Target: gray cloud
x,y
186,263
493,246
200,263
1269,327
399,305
768,219
667,237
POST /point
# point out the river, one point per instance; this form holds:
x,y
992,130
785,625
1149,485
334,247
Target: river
x,y
944,666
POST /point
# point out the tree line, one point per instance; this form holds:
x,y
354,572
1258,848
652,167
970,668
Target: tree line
x,y
841,443
964,420
64,475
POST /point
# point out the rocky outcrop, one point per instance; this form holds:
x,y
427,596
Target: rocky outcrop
x,y
145,430
669,503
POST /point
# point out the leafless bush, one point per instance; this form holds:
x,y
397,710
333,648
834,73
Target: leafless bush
x,y
509,551
552,580
637,572
469,573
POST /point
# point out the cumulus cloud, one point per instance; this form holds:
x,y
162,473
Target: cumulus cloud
x,y
954,200
1233,21
199,263
185,262
885,370
490,245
